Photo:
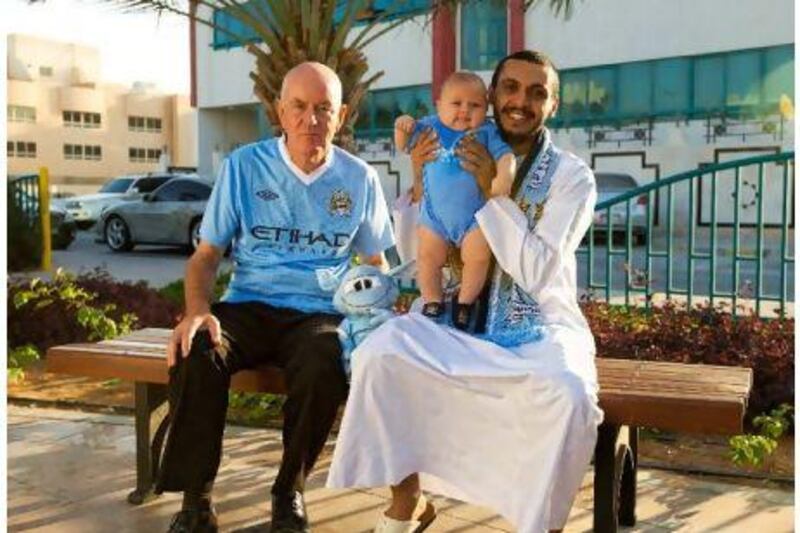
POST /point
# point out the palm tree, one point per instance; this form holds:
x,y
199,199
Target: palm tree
x,y
306,30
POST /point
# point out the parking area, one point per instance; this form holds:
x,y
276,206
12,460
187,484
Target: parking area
x,y
157,265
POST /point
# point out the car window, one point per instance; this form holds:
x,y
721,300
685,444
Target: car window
x,y
145,185
119,185
183,191
614,182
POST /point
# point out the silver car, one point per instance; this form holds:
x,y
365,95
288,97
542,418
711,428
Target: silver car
x,y
611,185
86,209
171,214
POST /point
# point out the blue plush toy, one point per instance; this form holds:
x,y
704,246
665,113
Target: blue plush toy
x,y
365,297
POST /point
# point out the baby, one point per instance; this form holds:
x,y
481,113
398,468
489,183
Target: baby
x,y
451,196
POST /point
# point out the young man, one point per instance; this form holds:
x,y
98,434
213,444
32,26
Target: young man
x,y
295,209
511,426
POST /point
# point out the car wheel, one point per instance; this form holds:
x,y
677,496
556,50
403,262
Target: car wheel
x,y
194,235
117,235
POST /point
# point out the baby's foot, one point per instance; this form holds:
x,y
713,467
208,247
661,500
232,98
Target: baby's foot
x,y
462,315
433,310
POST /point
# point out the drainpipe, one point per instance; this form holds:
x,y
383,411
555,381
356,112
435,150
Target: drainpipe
x,y
193,53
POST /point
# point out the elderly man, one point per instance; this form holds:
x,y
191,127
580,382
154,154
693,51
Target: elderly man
x,y
296,209
511,423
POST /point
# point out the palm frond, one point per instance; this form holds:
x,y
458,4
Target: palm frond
x,y
293,31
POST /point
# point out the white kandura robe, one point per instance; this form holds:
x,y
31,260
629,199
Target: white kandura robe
x,y
510,429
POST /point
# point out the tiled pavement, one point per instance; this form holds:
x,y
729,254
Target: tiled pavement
x,y
69,471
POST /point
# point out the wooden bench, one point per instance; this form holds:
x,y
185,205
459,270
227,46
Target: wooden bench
x,y
668,396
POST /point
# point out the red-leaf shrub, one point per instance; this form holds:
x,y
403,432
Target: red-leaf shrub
x,y
703,334
55,323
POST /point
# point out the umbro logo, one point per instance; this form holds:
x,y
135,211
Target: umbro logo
x,y
267,195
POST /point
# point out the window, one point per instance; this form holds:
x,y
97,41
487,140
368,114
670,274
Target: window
x,y
600,97
81,119
83,151
671,82
92,153
483,34
137,155
119,185
144,155
147,124
21,149
635,88
379,109
46,72
183,191
779,74
744,78
21,113
709,83
729,83
573,93
146,185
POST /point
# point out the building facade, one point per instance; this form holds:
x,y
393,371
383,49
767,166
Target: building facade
x,y
63,117
648,88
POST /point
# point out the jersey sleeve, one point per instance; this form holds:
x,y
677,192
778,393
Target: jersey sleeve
x,y
375,234
494,142
220,219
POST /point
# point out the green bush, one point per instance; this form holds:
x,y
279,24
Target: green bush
x,y
705,334
81,308
174,292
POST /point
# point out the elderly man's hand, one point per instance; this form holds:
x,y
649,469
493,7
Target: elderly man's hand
x,y
423,151
477,160
184,333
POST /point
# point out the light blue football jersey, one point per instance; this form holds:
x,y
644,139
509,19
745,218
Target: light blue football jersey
x,y
292,240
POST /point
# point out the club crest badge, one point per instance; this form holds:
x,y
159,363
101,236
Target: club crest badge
x,y
340,204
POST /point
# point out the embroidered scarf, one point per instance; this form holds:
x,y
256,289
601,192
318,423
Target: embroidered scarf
x,y
514,317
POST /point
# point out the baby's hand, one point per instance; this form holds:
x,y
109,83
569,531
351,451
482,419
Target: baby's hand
x,y
405,123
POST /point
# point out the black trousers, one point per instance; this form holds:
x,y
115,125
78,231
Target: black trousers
x,y
304,345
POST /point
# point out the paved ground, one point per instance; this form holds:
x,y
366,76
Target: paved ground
x,y
69,471
158,265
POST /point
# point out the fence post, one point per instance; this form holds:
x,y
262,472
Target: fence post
x,y
44,216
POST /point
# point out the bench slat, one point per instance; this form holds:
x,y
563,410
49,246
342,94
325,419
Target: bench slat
x,y
669,396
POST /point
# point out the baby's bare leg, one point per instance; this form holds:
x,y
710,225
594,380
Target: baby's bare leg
x,y
431,256
476,256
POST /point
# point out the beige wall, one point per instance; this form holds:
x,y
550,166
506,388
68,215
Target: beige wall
x,y
50,96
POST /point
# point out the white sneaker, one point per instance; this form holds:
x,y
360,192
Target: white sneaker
x,y
425,513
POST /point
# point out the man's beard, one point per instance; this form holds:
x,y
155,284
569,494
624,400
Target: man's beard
x,y
514,138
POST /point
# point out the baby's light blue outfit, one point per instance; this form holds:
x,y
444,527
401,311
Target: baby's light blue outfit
x,y
450,194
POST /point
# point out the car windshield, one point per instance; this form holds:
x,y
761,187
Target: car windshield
x,y
118,185
614,182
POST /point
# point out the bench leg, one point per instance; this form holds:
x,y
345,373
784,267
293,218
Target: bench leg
x,y
627,495
614,478
151,412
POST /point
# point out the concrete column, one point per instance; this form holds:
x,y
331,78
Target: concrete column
x,y
444,47
516,26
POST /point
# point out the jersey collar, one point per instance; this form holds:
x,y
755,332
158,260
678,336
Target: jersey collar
x,y
308,179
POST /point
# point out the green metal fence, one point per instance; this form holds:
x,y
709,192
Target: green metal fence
x,y
728,249
24,192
